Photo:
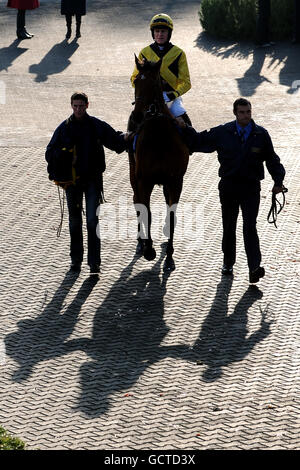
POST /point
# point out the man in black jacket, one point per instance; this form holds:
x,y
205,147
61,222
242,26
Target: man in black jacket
x,y
83,137
242,147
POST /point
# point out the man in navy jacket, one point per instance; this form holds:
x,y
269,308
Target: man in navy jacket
x,y
242,147
83,136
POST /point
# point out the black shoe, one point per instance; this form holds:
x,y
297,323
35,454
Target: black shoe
x,y
227,270
94,268
28,34
23,34
254,276
75,267
78,34
69,32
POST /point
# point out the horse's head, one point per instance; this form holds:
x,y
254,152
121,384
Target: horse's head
x,y
148,89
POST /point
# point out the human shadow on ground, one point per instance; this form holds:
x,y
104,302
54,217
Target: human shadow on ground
x,y
283,56
223,338
55,61
127,335
9,54
44,337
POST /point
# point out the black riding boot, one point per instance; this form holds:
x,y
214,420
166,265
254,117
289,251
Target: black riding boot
x,y
186,119
21,30
78,24
69,26
185,136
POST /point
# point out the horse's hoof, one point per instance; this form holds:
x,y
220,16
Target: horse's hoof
x,y
149,254
139,248
169,265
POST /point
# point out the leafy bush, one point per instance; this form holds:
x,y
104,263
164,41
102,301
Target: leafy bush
x,y
236,19
10,443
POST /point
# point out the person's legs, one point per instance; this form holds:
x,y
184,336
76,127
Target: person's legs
x,y
21,30
78,24
69,26
20,21
250,206
230,210
74,200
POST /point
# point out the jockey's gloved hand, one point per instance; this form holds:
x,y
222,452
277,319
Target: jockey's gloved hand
x,y
128,136
171,95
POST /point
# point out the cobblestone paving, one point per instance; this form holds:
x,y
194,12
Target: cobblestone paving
x,y
140,359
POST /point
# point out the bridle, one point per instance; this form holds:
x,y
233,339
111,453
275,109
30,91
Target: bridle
x,y
276,207
153,109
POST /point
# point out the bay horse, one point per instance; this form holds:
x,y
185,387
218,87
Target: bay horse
x,y
160,157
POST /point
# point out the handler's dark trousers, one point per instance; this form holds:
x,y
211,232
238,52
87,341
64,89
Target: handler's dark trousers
x,y
92,192
244,195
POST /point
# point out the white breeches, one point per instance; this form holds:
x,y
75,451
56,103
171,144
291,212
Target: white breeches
x,y
176,106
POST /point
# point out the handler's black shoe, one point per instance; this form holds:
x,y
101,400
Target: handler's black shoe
x,y
227,270
254,276
94,269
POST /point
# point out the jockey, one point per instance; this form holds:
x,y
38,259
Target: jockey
x,y
174,70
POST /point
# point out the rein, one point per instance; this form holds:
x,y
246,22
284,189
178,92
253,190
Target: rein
x,y
62,210
276,207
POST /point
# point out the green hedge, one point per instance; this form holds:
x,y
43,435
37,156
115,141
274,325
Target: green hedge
x,y
236,19
10,443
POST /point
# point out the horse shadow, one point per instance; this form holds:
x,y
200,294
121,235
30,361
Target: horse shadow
x,y
282,56
9,54
223,338
44,338
127,334
128,330
55,61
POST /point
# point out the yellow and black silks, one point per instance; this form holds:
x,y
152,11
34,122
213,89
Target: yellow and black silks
x,y
174,68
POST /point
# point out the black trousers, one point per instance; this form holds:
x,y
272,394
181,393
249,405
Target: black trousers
x,y
263,21
92,192
20,20
233,196
69,20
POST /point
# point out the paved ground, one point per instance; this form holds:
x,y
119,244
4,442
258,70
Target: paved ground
x,y
139,360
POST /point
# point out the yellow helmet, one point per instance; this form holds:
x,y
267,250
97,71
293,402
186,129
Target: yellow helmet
x,y
162,20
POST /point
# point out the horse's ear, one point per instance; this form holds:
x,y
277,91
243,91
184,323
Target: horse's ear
x,y
138,62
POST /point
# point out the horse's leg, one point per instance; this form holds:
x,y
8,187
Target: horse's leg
x,y
166,228
133,182
166,231
173,191
144,191
132,127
